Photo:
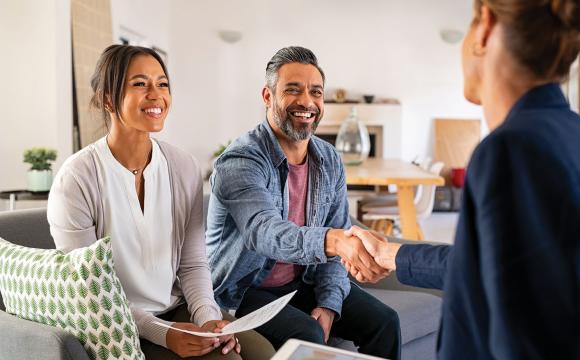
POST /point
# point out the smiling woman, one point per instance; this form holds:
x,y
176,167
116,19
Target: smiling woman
x,y
156,239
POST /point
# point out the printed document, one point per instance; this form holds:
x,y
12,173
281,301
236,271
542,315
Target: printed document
x,y
251,321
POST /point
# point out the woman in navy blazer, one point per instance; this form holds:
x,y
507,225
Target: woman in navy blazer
x,y
512,279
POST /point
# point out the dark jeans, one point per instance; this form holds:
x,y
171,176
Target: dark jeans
x,y
371,325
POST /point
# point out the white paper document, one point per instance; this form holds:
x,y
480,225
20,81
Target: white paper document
x,y
251,321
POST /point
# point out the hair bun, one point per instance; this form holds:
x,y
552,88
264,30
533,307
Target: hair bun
x,y
568,11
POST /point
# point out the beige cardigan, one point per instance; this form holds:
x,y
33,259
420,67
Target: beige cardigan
x,y
75,214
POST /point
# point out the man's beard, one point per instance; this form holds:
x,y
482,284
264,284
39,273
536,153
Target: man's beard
x,y
283,119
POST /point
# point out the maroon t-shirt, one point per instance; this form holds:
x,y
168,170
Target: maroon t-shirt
x,y
284,273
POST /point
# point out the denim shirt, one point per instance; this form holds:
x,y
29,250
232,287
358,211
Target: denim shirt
x,y
248,228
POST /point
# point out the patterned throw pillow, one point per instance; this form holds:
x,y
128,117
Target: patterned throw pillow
x,y
78,292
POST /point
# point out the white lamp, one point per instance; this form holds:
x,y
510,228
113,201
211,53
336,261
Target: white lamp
x,y
230,36
451,36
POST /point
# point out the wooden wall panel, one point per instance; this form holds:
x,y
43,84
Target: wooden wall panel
x,y
92,32
454,142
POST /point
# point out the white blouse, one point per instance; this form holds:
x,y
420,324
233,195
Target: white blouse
x,y
141,240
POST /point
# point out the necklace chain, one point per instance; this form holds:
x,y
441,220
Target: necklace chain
x,y
136,171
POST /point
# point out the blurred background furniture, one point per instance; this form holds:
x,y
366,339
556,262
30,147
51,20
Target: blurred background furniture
x,y
387,198
14,195
385,172
377,213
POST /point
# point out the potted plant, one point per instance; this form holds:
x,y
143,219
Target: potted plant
x,y
39,177
221,148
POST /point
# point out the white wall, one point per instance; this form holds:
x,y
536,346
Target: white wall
x,y
385,47
148,18
35,96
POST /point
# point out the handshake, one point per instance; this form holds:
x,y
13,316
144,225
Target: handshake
x,y
367,255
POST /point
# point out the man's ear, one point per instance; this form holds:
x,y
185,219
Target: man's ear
x,y
485,26
267,96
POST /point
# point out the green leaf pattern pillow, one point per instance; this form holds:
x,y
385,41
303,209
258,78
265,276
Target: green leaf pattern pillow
x,y
78,292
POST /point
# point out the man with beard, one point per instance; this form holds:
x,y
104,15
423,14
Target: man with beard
x,y
276,222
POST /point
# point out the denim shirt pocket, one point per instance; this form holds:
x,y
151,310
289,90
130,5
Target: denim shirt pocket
x,y
321,208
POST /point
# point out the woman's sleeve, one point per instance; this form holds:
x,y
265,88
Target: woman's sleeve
x,y
71,221
193,270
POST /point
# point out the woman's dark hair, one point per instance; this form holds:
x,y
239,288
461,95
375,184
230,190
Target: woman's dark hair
x,y
543,35
108,80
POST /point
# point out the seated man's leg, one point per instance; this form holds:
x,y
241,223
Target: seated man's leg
x,y
288,323
371,325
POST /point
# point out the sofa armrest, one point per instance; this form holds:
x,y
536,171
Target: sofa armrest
x,y
391,282
23,339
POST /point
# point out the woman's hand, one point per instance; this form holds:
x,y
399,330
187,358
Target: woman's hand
x,y
231,342
383,252
186,345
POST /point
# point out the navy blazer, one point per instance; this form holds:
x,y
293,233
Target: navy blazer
x,y
512,279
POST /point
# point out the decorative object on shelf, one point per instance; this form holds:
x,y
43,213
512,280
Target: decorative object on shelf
x,y
369,98
39,177
340,95
353,142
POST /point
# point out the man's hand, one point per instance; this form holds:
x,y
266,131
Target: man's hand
x,y
352,250
186,345
325,317
383,252
230,341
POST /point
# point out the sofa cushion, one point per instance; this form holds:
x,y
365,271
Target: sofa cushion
x,y
419,313
78,292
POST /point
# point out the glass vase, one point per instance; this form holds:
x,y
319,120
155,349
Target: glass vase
x,y
353,142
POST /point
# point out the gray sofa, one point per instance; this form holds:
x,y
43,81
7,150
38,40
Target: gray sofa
x,y
418,309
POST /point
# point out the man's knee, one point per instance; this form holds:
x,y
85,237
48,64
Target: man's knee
x,y
389,319
309,331
391,315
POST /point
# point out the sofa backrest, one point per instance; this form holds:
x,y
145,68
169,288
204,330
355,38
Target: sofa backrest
x,y
27,228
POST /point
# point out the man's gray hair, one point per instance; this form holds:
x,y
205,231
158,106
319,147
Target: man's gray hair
x,y
287,55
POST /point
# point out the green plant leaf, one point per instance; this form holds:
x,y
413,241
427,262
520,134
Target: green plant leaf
x,y
40,158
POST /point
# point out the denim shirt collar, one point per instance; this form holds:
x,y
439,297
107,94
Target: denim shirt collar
x,y
277,154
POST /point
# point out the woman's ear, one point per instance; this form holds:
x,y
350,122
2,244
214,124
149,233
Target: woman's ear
x,y
108,104
484,28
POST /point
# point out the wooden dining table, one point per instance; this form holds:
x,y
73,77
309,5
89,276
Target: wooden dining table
x,y
384,172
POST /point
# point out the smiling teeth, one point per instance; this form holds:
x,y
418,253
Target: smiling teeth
x,y
153,110
303,114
